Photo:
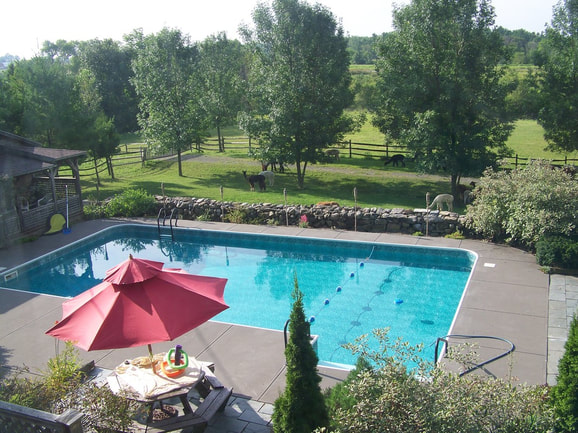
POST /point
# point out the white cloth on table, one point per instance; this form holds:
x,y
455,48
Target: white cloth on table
x,y
146,384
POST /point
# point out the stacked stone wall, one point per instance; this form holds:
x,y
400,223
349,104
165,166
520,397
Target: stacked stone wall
x,y
406,221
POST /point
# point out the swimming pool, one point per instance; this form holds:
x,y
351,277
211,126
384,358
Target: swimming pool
x,y
349,288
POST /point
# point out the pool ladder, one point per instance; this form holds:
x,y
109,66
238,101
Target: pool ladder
x,y
163,215
481,364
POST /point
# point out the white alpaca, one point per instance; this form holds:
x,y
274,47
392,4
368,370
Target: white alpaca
x,y
269,175
440,199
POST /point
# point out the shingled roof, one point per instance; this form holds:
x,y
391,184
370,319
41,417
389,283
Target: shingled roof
x,y
19,156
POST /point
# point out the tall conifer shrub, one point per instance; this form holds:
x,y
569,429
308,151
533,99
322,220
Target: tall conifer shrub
x,y
565,393
301,407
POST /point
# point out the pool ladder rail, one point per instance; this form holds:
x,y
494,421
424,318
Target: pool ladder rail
x,y
163,214
479,365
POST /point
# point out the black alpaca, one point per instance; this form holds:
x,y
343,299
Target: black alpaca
x,y
396,160
255,178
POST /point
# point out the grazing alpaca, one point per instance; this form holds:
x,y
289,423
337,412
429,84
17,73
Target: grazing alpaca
x,y
255,178
439,201
332,153
269,175
396,160
463,188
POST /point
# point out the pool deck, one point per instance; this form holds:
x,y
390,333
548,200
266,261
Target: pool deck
x,y
507,297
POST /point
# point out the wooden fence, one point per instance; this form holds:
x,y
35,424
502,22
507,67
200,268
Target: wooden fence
x,y
129,154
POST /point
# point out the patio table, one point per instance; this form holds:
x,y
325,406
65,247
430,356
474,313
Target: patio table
x,y
154,389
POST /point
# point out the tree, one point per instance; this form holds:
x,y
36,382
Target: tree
x,y
565,393
46,100
439,87
166,79
110,64
301,407
221,66
559,115
300,79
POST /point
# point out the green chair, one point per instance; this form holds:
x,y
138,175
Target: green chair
x,y
57,222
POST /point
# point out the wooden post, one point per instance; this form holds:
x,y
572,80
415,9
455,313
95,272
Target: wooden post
x,y
355,208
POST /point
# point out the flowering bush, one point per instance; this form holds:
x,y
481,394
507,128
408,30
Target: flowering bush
x,y
303,222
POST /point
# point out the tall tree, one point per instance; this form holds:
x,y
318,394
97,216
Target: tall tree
x,y
301,74
301,407
110,64
46,100
221,66
166,79
439,87
559,115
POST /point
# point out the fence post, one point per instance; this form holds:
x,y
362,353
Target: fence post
x,y
355,208
350,149
516,163
286,211
143,156
222,204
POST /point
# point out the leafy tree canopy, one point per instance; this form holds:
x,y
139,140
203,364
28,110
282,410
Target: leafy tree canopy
x,y
439,86
559,115
166,79
299,80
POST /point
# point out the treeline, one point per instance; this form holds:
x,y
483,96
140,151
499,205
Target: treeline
x,y
294,100
522,45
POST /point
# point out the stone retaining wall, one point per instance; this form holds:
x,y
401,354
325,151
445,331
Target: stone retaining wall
x,y
328,215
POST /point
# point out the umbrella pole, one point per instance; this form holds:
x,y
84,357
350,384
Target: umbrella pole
x,y
153,366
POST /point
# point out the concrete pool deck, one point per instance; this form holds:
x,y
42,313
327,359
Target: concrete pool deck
x,y
507,297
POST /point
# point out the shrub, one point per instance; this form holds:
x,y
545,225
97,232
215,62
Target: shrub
x,y
565,393
62,387
132,203
338,397
557,251
237,216
522,206
94,211
301,407
403,393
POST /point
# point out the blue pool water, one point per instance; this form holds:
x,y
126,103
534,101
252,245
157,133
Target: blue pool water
x,y
349,288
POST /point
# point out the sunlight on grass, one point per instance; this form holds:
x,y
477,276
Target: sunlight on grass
x,y
377,186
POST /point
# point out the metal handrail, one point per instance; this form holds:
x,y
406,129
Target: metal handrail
x,y
481,364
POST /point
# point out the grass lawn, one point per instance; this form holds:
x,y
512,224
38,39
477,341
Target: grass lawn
x,y
390,187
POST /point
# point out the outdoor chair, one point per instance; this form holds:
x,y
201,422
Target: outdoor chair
x,y
57,222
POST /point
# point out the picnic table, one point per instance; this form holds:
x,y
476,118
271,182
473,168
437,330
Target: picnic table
x,y
158,392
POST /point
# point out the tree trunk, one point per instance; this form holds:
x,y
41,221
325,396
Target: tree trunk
x,y
454,180
180,163
221,142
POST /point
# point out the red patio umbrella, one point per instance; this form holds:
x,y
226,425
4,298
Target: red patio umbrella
x,y
139,303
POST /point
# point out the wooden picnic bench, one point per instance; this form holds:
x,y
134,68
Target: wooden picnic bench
x,y
215,397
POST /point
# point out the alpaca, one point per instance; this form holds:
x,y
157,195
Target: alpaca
x,y
269,175
468,196
439,201
396,160
332,153
463,188
255,178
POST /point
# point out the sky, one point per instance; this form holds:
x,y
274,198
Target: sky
x,y
26,24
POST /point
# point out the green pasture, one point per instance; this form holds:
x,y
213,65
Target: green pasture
x,y
377,186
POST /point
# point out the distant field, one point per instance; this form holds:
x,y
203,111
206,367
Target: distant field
x,y
376,186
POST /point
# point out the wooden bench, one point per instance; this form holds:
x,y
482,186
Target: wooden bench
x,y
215,397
